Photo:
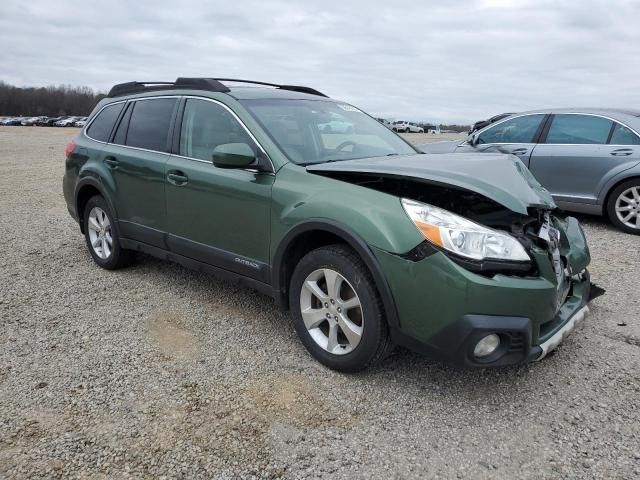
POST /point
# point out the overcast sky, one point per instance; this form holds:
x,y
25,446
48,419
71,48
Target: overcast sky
x,y
447,61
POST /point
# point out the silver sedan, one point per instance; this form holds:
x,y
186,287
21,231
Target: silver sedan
x,y
588,159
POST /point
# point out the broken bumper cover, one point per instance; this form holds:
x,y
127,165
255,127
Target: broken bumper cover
x,y
541,351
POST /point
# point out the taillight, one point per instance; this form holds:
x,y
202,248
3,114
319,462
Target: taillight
x,y
71,146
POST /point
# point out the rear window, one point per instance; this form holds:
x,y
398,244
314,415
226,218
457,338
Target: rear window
x,y
578,129
101,127
623,136
149,124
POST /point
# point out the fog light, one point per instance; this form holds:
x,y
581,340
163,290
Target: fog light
x,y
487,345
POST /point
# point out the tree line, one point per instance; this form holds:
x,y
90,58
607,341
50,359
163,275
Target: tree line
x,y
50,101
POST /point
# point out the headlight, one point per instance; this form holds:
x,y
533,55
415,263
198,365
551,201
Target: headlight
x,y
461,236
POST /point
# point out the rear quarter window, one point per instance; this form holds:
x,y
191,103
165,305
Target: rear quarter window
x,y
623,136
149,124
101,126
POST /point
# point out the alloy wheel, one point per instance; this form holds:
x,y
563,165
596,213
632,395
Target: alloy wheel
x,y
331,311
100,233
628,207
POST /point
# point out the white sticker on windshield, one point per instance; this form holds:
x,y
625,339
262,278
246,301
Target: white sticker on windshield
x,y
347,108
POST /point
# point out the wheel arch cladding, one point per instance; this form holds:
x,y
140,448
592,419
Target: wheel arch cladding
x,y
312,234
87,188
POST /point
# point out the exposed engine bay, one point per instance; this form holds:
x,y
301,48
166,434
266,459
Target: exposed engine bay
x,y
471,205
530,230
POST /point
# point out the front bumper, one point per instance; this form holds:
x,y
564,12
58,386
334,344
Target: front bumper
x,y
445,309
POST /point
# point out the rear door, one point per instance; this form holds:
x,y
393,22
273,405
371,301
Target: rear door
x,y
215,215
137,158
579,152
515,135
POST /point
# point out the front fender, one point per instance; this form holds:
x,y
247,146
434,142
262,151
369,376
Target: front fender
x,y
376,217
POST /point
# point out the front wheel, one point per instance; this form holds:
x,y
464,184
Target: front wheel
x,y
623,206
337,310
101,235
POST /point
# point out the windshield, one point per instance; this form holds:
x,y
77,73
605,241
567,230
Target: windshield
x,y
316,131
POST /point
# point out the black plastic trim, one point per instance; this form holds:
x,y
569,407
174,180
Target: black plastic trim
x,y
196,265
181,83
196,251
278,273
541,129
93,182
455,343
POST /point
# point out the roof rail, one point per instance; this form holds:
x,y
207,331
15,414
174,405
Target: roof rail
x,y
211,84
293,88
180,83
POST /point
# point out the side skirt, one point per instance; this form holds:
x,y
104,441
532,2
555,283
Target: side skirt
x,y
196,265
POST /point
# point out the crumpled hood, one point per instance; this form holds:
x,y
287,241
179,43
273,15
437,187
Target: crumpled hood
x,y
501,178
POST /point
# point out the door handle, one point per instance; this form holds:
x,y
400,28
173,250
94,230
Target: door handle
x,y
519,151
177,178
621,152
111,162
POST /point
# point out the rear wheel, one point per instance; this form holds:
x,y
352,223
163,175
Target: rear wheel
x,y
337,311
623,206
101,235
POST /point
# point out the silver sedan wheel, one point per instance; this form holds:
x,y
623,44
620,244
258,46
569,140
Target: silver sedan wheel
x,y
331,311
100,234
628,207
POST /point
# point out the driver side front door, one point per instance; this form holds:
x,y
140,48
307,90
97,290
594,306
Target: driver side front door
x,y
515,136
216,215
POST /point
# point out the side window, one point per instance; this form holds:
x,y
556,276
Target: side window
x,y
517,130
578,129
101,127
149,124
205,125
623,136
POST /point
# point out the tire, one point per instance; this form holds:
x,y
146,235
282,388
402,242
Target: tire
x,y
627,196
113,256
369,341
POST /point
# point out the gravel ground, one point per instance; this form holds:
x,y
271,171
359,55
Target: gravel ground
x,y
157,371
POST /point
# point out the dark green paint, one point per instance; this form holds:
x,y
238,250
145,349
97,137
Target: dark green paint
x,y
248,213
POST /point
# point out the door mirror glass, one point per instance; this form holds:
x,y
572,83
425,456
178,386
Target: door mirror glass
x,y
473,140
233,155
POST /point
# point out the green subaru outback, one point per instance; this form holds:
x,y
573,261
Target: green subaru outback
x,y
367,241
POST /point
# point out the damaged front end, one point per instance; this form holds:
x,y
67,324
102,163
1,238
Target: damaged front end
x,y
527,285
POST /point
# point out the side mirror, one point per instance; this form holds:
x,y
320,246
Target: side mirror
x,y
233,155
473,140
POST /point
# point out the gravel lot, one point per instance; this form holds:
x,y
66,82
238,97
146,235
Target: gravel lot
x,y
157,371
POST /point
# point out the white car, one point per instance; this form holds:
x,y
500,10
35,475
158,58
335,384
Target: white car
x,y
413,128
67,122
406,127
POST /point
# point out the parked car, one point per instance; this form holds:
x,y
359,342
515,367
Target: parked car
x,y
414,128
81,122
589,159
31,121
368,242
66,122
50,122
12,121
400,126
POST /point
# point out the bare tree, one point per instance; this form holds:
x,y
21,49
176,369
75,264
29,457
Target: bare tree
x,y
50,101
